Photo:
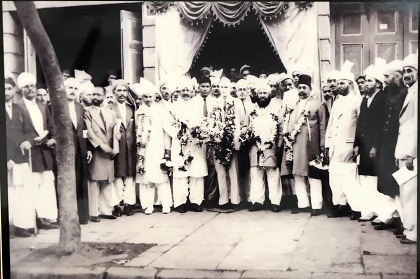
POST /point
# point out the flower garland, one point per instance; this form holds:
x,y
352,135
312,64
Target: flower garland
x,y
184,137
290,138
223,151
142,138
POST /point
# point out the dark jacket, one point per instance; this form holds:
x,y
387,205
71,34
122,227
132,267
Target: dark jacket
x,y
368,132
15,136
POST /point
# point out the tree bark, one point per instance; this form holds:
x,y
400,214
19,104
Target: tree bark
x,y
66,186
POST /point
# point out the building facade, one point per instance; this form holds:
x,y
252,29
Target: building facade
x,y
101,35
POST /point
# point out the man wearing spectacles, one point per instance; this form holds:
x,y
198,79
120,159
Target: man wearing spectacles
x,y
125,160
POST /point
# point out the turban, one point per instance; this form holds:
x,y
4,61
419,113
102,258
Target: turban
x,y
242,83
284,76
86,87
146,87
184,82
214,80
82,75
333,75
119,82
305,79
71,81
225,81
375,72
25,79
253,80
205,69
411,61
345,75
273,78
263,86
396,66
243,68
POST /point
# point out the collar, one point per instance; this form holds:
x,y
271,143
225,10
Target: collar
x,y
374,94
29,102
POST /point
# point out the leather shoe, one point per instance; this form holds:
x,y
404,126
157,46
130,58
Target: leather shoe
x,y
316,212
182,208
256,207
383,226
112,217
19,232
83,222
117,211
407,241
195,207
400,236
128,210
95,219
225,206
275,208
299,210
46,225
398,231
355,215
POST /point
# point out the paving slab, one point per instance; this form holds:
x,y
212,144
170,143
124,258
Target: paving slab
x,y
252,261
341,275
172,274
58,273
144,259
192,257
392,264
130,273
263,274
384,243
395,276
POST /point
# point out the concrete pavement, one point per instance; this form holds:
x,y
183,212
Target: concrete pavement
x,y
240,245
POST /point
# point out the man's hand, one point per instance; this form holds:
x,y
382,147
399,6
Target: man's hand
x,y
118,136
355,152
409,163
372,153
106,148
25,145
50,143
89,156
10,164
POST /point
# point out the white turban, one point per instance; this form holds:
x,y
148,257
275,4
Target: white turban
x,y
411,61
242,83
396,66
334,74
253,80
86,87
119,82
284,76
375,72
25,79
214,80
71,81
273,78
146,87
225,81
263,86
345,75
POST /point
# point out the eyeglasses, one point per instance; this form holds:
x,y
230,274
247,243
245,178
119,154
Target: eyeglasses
x,y
241,89
121,90
327,91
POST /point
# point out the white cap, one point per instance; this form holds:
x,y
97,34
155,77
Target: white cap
x,y
71,81
244,67
284,76
396,65
412,61
375,72
333,75
345,75
146,87
82,76
25,79
225,81
242,83
263,86
273,78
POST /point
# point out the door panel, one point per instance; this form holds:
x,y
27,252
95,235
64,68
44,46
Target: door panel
x,y
131,46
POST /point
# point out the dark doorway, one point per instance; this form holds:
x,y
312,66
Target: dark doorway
x,y
232,47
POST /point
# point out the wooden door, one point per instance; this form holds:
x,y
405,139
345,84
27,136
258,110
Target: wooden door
x,y
131,46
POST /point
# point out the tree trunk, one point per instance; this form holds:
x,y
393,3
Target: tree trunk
x,y
68,217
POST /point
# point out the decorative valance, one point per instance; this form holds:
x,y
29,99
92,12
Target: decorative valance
x,y
228,12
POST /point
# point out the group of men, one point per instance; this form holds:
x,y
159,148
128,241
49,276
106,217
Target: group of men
x,y
248,140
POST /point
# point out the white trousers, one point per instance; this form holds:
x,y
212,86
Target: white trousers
x,y
302,192
408,197
21,197
228,182
125,189
275,190
147,194
44,193
385,207
102,198
196,190
368,196
341,174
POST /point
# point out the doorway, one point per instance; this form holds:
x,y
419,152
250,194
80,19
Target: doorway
x,y
231,47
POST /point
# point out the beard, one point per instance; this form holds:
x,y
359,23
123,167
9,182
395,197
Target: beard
x,y
263,102
97,103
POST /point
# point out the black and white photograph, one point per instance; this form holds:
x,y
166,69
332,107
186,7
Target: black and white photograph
x,y
201,139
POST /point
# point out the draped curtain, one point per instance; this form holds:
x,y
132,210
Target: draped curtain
x,y
181,29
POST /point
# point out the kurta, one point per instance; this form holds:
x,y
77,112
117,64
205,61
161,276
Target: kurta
x,y
125,160
100,124
304,150
394,99
156,118
341,128
368,132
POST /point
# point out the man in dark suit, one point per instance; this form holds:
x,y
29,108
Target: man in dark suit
x,y
39,139
125,160
368,141
77,114
21,200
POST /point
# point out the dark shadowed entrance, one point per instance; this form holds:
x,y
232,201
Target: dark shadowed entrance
x,y
228,47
